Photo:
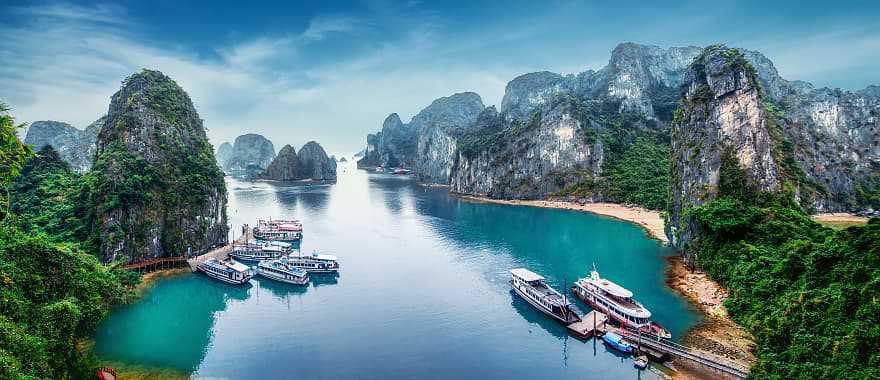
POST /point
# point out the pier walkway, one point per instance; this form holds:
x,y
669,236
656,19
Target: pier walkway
x,y
594,325
221,252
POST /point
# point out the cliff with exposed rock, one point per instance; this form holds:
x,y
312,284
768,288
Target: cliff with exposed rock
x,y
74,146
251,154
157,189
311,163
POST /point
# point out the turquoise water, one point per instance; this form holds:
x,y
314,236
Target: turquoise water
x,y
422,291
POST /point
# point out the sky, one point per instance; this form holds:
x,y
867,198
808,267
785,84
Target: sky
x,y
331,71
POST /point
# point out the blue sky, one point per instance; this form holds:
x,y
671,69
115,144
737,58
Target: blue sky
x,y
331,71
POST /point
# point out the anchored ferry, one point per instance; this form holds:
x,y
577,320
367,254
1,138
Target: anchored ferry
x,y
230,271
257,252
617,303
279,230
313,263
278,270
532,288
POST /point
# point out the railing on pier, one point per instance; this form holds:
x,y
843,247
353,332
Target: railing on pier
x,y
675,349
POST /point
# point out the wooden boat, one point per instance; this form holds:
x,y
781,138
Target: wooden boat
x,y
229,271
279,230
617,303
276,270
532,288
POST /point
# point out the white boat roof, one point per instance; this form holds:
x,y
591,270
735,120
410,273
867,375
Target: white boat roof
x,y
612,288
326,257
526,275
237,266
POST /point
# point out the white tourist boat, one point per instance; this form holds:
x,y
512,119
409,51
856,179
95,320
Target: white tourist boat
x,y
229,271
532,288
279,230
313,263
617,303
278,270
257,252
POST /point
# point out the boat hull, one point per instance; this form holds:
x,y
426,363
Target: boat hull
x,y
660,331
252,258
540,307
275,277
227,280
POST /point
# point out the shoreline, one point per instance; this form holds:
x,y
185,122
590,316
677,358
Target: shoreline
x,y
717,333
649,220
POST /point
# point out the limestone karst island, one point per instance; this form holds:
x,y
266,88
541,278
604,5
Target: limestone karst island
x,y
439,190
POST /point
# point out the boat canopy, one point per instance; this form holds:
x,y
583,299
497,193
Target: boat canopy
x,y
610,336
237,266
326,257
613,289
526,275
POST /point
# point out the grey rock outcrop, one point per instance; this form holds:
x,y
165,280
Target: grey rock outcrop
x,y
311,162
251,153
224,153
159,191
285,167
315,164
75,146
723,117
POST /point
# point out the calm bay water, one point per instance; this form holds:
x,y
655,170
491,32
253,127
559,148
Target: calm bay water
x,y
422,291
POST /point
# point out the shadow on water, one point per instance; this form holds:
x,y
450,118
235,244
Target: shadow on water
x,y
535,317
321,279
278,288
393,190
187,304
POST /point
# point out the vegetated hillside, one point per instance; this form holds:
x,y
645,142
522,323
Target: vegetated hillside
x,y
53,291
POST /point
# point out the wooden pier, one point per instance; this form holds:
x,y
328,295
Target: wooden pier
x,y
160,263
594,324
221,253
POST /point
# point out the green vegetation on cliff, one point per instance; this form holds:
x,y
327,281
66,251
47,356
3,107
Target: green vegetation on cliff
x,y
810,295
53,292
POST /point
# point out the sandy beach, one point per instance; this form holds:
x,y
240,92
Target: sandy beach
x,y
650,220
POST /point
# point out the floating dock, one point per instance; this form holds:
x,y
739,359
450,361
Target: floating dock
x,y
590,325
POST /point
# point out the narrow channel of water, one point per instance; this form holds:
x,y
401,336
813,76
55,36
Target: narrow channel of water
x,y
422,291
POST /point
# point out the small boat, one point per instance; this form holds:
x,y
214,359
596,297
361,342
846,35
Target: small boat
x,y
402,171
617,342
313,263
278,271
256,252
641,362
532,288
380,169
229,271
617,303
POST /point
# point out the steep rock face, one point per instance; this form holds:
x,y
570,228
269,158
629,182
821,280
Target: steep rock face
x,y
560,124
251,153
395,145
224,153
438,125
158,190
315,164
285,166
722,118
76,147
528,162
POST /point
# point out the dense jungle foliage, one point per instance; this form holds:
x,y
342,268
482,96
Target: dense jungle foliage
x,y
810,295
53,291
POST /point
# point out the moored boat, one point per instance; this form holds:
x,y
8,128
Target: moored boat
x,y
617,303
257,252
532,288
314,263
279,230
229,271
278,271
616,341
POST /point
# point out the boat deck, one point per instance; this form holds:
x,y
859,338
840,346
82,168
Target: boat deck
x,y
592,324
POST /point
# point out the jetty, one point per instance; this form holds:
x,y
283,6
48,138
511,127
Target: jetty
x,y
595,324
189,258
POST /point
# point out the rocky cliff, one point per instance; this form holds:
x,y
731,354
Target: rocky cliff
x,y
75,146
251,154
722,121
311,162
224,153
427,143
315,164
157,188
